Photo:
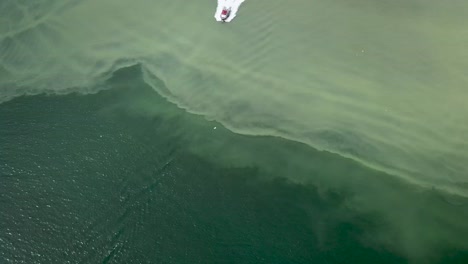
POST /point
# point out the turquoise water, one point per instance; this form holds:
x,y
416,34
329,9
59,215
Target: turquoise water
x,y
124,176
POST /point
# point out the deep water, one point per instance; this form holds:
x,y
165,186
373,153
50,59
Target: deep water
x,y
124,176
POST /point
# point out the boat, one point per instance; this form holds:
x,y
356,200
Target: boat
x,y
225,13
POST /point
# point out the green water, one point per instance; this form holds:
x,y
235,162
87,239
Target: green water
x,y
123,176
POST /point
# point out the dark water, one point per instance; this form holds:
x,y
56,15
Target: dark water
x,y
123,176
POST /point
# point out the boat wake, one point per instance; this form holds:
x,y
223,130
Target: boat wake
x,y
226,10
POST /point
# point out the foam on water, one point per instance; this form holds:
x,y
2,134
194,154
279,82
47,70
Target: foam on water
x,y
380,82
232,5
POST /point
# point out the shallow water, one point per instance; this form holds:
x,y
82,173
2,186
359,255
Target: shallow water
x,y
382,83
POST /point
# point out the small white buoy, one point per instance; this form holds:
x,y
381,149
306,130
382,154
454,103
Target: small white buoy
x,y
214,127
